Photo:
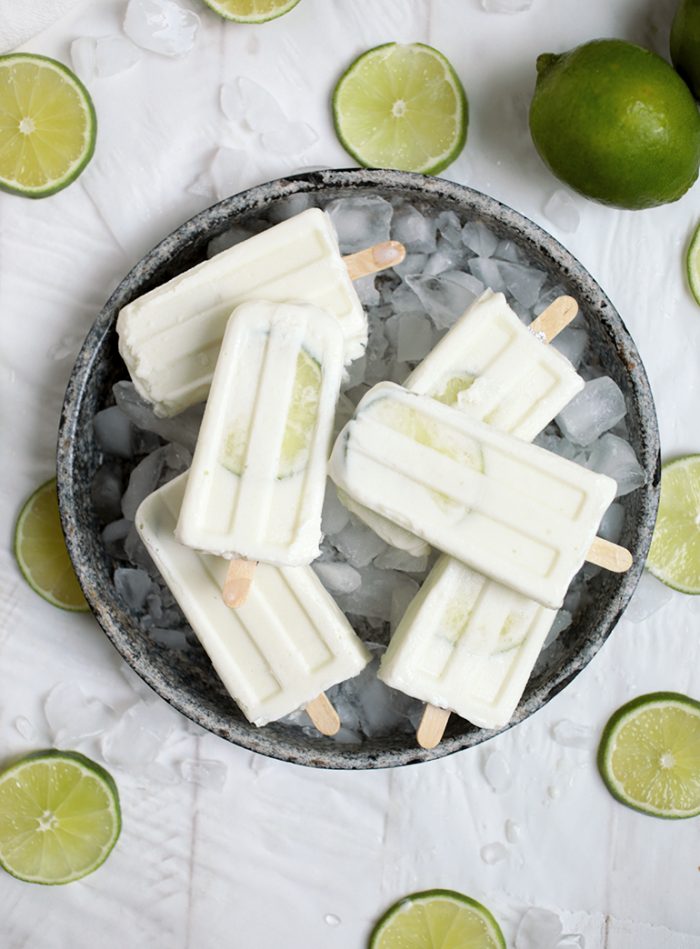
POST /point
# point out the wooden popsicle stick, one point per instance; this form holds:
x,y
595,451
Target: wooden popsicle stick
x,y
321,712
555,318
603,553
239,578
432,726
374,259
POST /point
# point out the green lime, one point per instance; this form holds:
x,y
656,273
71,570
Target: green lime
x,y
251,11
674,555
452,387
47,125
401,106
693,264
685,43
437,919
616,123
59,817
41,551
299,427
649,755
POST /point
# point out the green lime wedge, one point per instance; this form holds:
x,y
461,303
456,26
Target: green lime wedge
x,y
692,262
41,552
251,11
674,555
437,919
47,125
59,817
649,755
401,106
299,427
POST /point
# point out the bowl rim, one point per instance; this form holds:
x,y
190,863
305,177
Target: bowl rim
x,y
330,754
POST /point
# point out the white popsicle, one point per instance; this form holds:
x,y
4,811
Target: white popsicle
x,y
278,652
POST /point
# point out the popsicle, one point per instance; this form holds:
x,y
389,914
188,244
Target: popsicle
x,y
280,651
257,480
466,644
494,368
170,337
515,512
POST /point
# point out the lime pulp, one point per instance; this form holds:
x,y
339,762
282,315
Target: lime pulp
x,y
674,555
437,919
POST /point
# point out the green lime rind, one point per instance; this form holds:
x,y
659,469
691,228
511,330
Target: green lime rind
x,y
25,568
440,162
609,743
14,187
676,539
381,937
88,769
220,8
692,263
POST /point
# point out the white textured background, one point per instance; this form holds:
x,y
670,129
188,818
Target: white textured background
x,y
266,861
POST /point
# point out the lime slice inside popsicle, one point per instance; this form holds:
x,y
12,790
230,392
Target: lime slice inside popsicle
x,y
449,394
437,919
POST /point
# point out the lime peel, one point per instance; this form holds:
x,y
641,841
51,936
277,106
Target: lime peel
x,y
251,11
674,555
692,263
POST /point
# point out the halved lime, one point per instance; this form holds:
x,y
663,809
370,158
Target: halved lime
x,y
251,11
299,427
692,262
437,919
59,817
674,555
41,551
401,106
47,125
649,755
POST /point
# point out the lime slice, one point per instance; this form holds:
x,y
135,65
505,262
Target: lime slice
x,y
693,264
59,817
401,106
424,430
449,394
437,919
674,555
47,125
41,551
251,11
299,427
649,755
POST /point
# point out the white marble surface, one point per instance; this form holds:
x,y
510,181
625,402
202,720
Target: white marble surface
x,y
283,853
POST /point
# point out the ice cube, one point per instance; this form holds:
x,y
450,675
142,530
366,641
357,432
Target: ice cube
x,y
571,941
522,282
161,26
448,225
337,577
373,597
493,853
508,250
446,296
479,239
512,832
394,559
137,738
177,639
562,621
572,343
291,139
561,210
415,337
183,428
73,717
369,707
136,553
66,348
249,103
415,230
206,773
649,597
113,55
595,409
358,543
445,258
488,272
113,537
143,481
506,6
288,207
24,728
335,515
612,523
106,492
114,432
615,457
366,290
401,596
360,221
133,586
538,929
497,772
572,735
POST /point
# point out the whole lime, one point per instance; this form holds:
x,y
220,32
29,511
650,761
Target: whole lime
x,y
685,43
616,123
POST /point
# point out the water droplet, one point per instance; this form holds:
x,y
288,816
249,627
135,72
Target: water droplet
x,y
330,919
493,853
512,832
497,772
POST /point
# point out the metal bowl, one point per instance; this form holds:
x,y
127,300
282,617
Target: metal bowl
x,y
187,680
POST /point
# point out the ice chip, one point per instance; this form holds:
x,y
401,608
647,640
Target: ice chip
x,y
415,338
73,717
598,407
572,343
448,225
113,537
562,621
206,773
493,853
612,523
401,596
512,832
479,239
561,210
358,543
233,235
176,639
572,735
508,250
538,929
337,577
161,26
415,230
522,282
615,457
133,586
291,139
373,597
288,207
114,55
360,221
106,492
395,559
24,728
249,103
143,481
226,169
114,432
182,428
137,738
367,291
649,597
335,515
446,296
488,272
497,772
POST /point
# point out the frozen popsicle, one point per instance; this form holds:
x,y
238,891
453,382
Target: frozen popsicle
x,y
515,512
170,337
494,368
256,485
277,653
466,644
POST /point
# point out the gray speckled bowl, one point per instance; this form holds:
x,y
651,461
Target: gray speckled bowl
x,y
187,680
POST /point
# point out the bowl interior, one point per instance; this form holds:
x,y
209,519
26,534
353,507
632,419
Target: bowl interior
x,y
187,679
